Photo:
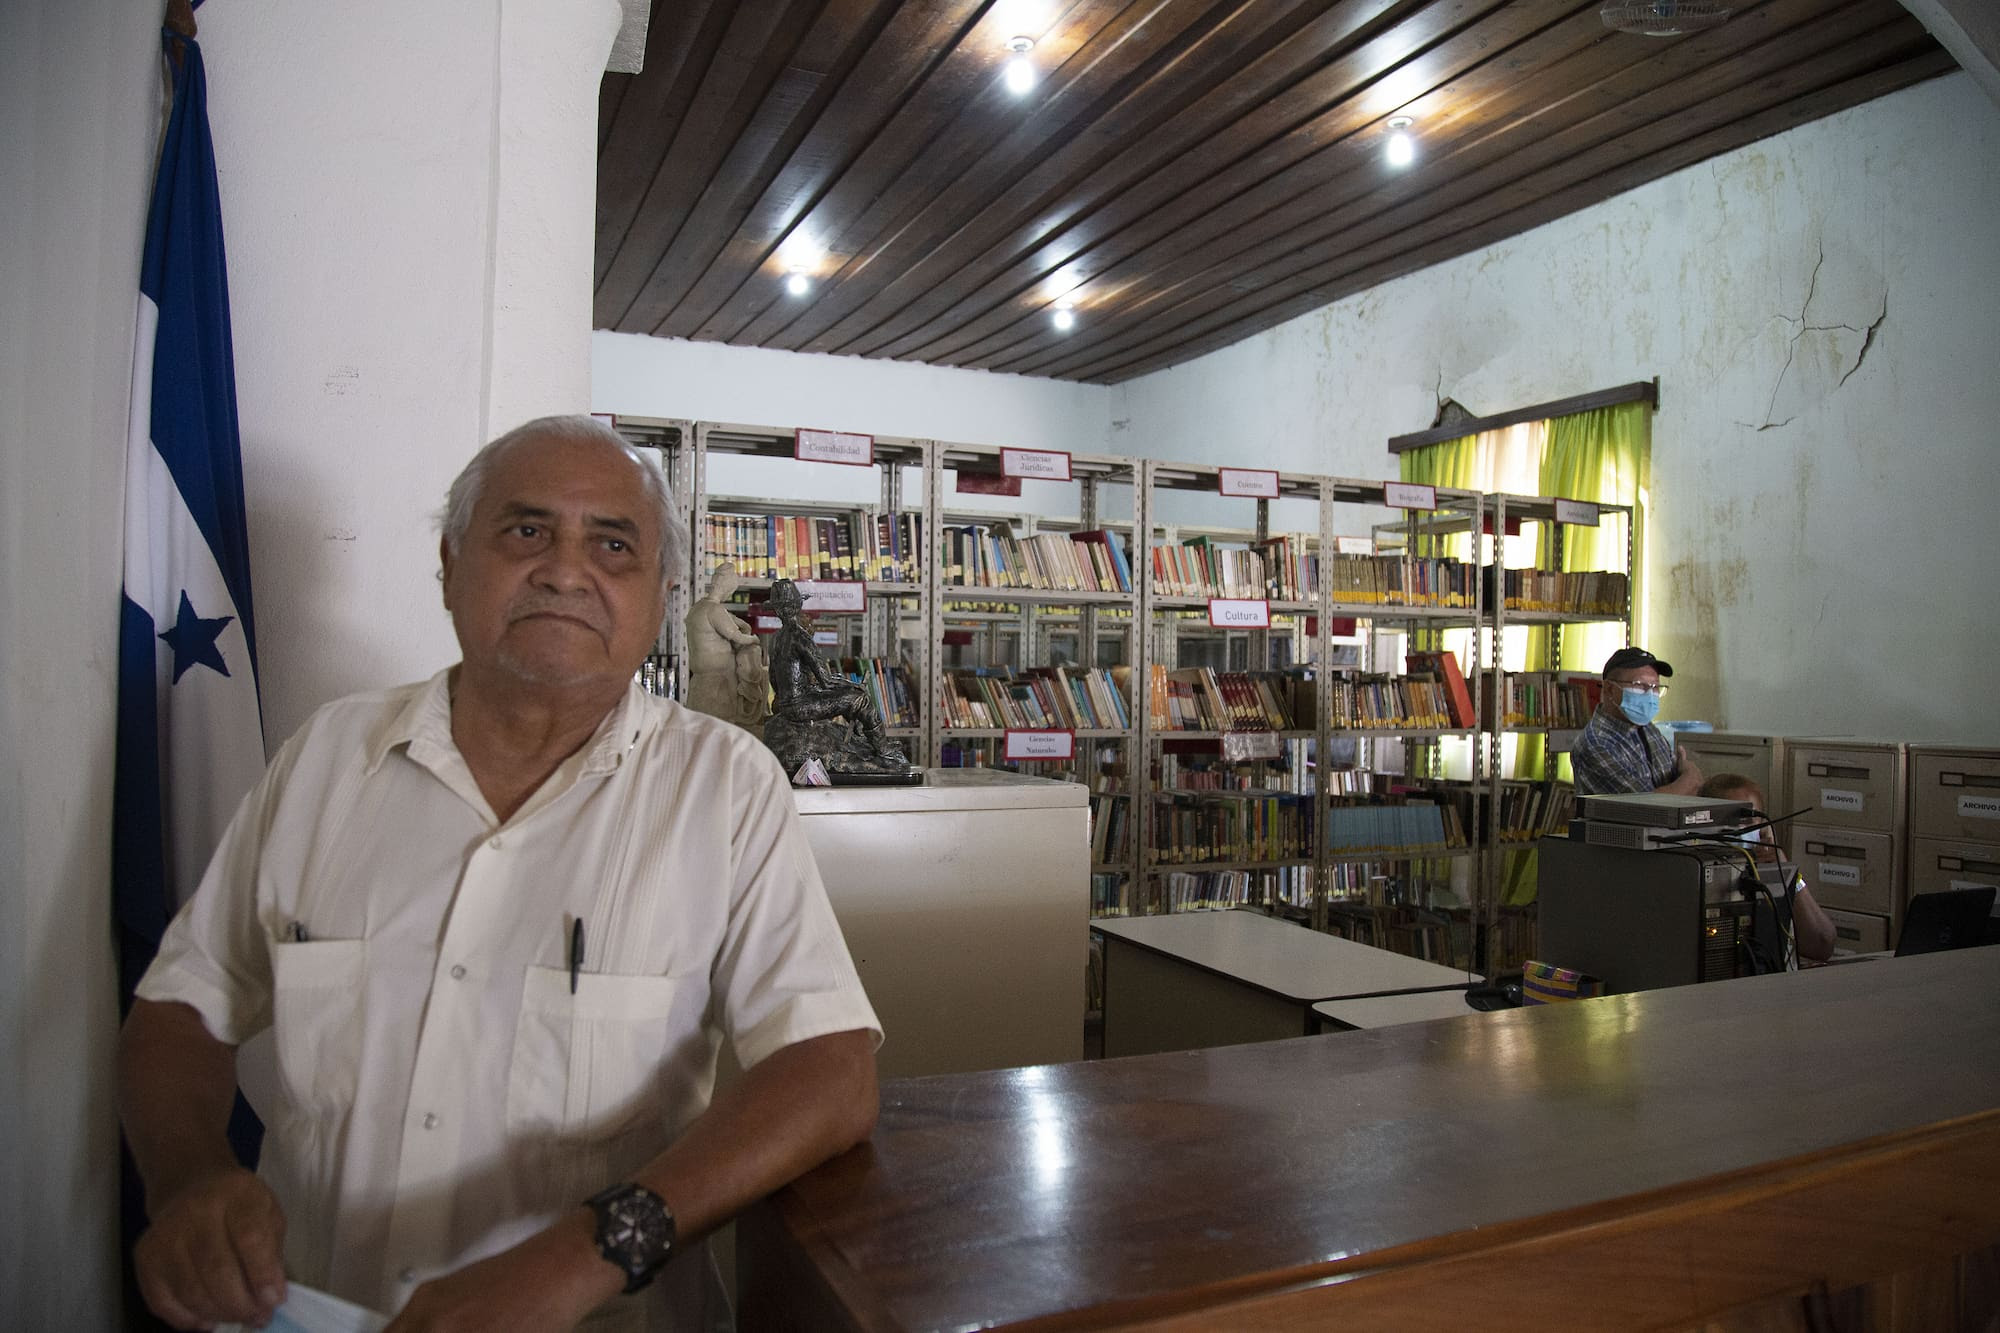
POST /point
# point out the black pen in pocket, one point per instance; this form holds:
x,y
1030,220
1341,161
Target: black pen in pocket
x,y
575,951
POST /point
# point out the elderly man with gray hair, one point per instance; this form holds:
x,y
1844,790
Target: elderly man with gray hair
x,y
500,923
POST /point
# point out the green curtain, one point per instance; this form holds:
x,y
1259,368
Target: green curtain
x,y
1605,456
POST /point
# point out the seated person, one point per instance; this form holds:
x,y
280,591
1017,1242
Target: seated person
x,y
1620,750
1812,931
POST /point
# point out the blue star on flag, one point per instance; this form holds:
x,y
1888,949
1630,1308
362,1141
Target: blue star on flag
x,y
193,640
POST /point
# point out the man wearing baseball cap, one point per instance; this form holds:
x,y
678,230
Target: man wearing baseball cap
x,y
1620,750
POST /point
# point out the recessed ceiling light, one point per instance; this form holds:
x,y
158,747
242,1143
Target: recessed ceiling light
x,y
1020,70
1402,148
798,282
1064,317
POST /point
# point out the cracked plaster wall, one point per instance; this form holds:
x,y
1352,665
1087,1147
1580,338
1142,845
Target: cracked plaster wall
x,y
1821,310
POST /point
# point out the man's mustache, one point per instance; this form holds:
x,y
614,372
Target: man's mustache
x,y
581,609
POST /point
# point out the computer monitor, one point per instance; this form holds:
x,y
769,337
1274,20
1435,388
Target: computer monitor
x,y
1946,919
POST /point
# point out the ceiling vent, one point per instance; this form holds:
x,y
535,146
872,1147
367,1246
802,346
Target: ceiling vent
x,y
1662,18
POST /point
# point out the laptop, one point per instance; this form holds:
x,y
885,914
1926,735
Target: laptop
x,y
1946,919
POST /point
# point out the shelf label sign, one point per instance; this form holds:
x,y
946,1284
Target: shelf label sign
x,y
1239,747
1979,807
1832,798
1409,495
1847,876
1035,464
839,597
1580,512
827,638
1239,613
1038,743
1353,546
834,446
1253,482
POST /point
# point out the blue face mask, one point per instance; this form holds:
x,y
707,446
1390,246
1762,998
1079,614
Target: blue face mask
x,y
1638,706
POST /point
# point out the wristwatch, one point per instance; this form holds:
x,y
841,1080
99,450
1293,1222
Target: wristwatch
x,y
635,1231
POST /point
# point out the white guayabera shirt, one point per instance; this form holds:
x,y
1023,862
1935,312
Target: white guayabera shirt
x,y
441,1093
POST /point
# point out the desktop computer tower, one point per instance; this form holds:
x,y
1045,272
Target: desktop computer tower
x,y
1644,920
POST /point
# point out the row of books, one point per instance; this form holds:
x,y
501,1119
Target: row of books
x,y
1110,828
1530,810
984,556
817,546
1220,890
1373,702
1548,699
888,682
1594,592
1078,698
1291,568
1397,825
1204,699
1216,826
1399,580
1201,568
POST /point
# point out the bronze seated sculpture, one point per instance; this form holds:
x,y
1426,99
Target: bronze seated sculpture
x,y
817,714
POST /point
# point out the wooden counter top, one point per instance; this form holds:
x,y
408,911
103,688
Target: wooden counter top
x,y
1638,1159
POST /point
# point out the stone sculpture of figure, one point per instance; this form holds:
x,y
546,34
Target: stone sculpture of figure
x,y
816,714
725,666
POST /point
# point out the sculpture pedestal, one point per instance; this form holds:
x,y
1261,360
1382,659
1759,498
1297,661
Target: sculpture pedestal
x,y
966,905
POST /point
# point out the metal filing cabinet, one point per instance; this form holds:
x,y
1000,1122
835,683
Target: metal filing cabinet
x,y
1759,758
1852,838
1954,818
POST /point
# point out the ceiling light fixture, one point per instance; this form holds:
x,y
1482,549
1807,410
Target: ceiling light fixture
x,y
798,282
1402,149
1020,70
1065,316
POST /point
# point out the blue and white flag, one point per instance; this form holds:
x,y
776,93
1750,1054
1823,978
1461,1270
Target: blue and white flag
x,y
190,730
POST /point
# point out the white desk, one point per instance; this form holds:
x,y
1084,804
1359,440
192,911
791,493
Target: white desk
x,y
1384,1011
963,902
1197,979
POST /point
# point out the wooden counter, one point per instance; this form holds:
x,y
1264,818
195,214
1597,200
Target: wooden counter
x,y
1638,1160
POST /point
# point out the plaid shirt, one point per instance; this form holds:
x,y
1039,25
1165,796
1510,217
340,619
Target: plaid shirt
x,y
1614,756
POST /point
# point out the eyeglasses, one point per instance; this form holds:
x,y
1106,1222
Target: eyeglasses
x,y
1637,686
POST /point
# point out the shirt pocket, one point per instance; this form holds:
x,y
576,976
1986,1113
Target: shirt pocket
x,y
316,1001
588,1066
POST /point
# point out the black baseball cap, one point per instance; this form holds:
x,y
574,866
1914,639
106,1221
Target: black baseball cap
x,y
1627,658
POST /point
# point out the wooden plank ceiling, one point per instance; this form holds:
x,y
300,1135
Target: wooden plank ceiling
x,y
1185,172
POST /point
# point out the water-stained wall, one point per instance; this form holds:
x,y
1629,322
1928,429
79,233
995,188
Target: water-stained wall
x,y
1822,310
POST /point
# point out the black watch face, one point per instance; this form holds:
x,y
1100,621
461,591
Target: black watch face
x,y
629,1224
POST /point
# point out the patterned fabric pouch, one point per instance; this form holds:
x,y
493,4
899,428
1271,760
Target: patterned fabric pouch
x,y
1545,983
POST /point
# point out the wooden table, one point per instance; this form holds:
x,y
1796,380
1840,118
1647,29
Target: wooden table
x,y
1633,1161
1174,983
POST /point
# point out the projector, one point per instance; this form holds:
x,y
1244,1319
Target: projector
x,y
1657,810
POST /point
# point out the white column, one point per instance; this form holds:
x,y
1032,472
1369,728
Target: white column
x,y
409,193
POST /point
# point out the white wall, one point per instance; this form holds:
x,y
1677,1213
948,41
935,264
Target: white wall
x,y
1820,542
387,318
78,94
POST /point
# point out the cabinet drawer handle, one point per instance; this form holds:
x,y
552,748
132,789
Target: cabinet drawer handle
x,y
1834,771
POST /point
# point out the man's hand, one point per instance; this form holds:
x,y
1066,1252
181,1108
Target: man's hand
x,y
215,1253
549,1281
1687,781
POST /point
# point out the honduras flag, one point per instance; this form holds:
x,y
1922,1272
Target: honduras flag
x,y
190,731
